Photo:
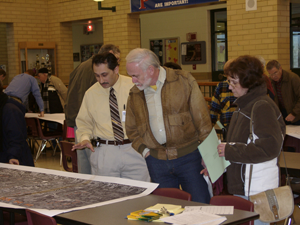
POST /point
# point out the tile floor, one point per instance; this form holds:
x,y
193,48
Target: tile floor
x,y
48,161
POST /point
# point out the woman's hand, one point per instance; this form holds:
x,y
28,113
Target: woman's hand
x,y
221,149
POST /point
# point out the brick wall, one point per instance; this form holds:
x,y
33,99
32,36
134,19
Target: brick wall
x,y
264,31
3,49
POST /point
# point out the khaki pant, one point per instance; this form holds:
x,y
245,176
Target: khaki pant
x,y
118,161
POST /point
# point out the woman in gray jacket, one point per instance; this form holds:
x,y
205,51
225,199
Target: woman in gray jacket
x,y
246,81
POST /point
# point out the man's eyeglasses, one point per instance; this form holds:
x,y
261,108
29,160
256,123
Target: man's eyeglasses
x,y
274,74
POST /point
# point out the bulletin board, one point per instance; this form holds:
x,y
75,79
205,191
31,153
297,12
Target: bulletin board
x,y
166,49
87,51
172,50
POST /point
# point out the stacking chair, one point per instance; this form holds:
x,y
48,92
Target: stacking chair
x,y
34,127
173,193
236,202
68,153
13,218
35,218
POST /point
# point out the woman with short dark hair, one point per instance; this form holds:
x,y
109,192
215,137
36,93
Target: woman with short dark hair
x,y
245,78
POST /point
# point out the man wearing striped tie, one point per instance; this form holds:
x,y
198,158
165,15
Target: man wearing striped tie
x,y
101,123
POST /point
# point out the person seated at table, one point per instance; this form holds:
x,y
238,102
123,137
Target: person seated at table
x,y
54,94
13,145
53,90
20,87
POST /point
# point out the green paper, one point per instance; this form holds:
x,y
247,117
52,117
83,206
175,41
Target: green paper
x,y
215,165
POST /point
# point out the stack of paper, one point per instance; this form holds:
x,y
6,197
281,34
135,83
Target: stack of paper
x,y
172,209
194,218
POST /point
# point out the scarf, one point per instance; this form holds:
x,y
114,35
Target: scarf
x,y
46,96
3,100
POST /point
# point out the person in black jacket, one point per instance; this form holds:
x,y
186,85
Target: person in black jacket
x,y
13,146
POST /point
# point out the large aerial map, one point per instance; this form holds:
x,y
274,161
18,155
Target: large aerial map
x,y
38,190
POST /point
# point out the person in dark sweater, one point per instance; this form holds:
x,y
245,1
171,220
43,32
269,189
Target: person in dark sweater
x,y
13,148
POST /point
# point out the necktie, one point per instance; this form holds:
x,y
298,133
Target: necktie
x,y
115,116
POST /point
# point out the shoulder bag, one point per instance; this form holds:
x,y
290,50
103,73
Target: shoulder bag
x,y
274,204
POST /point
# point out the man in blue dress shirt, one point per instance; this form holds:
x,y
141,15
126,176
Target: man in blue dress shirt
x,y
20,87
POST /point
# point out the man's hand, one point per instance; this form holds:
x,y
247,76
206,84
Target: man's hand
x,y
204,171
290,117
14,161
83,144
147,154
41,114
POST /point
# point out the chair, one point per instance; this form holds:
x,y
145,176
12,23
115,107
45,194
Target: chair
x,y
35,131
66,152
236,202
173,193
68,133
13,218
35,218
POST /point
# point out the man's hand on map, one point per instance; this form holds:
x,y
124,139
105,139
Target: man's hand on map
x,y
14,161
83,144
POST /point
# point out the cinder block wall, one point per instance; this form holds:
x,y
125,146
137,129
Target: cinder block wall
x,y
3,49
50,20
119,28
264,31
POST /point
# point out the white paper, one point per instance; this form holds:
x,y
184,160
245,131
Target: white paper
x,y
293,131
194,218
149,187
216,210
55,117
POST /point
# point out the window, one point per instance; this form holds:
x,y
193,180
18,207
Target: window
x,y
295,37
218,42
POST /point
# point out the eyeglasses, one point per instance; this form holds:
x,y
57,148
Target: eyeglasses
x,y
274,74
232,83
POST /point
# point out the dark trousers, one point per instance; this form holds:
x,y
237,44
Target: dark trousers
x,y
184,171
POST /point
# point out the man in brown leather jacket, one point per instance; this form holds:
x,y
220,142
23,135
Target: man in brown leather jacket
x,y
166,119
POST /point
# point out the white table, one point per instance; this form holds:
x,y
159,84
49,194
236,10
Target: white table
x,y
55,117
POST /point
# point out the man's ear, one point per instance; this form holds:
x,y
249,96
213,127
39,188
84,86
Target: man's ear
x,y
116,70
151,69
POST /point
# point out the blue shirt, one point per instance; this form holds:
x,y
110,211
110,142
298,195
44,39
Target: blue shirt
x,y
21,85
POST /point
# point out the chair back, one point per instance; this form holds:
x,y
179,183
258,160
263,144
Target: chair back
x,y
236,202
173,193
35,218
67,152
32,128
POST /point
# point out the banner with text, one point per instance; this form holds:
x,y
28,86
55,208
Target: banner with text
x,y
145,5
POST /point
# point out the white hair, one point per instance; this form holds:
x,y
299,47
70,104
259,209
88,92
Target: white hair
x,y
144,57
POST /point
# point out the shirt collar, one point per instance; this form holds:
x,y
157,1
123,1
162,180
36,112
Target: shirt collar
x,y
116,86
160,80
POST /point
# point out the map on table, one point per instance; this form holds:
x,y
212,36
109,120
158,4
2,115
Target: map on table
x,y
36,188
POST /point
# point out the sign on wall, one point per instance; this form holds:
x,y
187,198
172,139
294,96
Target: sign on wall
x,y
166,49
144,5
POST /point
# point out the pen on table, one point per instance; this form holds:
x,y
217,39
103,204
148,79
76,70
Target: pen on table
x,y
124,106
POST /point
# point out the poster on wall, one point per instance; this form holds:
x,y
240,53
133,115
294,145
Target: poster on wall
x,y
156,46
193,52
87,51
171,50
